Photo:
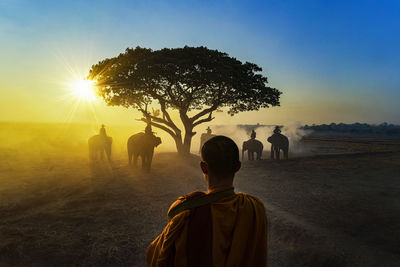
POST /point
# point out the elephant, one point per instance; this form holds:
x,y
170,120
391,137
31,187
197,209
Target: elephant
x,y
142,144
98,144
279,141
252,146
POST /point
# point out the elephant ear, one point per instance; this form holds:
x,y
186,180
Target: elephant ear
x,y
157,141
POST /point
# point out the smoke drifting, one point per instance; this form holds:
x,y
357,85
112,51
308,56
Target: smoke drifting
x,y
45,142
241,133
295,133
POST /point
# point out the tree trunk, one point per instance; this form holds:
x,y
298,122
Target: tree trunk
x,y
179,146
184,147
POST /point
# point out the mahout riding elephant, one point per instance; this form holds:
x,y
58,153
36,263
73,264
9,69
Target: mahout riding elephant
x,y
252,146
142,144
279,141
205,137
98,144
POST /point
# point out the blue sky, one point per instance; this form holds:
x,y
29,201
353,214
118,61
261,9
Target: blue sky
x,y
335,61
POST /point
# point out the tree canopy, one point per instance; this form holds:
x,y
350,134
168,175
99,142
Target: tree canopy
x,y
190,79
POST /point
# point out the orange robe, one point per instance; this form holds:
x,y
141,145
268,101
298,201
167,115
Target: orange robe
x,y
238,238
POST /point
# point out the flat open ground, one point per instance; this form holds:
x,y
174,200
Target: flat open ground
x,y
335,204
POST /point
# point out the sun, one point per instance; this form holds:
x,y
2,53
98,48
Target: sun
x,y
83,89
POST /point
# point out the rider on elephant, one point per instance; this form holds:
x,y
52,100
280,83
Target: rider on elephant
x,y
278,142
98,144
102,131
253,134
148,129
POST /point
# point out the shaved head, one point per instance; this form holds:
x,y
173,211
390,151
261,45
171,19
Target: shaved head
x,y
221,155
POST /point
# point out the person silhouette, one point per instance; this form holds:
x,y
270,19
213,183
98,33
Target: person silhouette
x,y
102,131
277,130
209,131
148,129
253,134
214,228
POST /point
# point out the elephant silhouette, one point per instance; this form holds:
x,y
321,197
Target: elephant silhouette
x,y
205,137
142,145
98,144
279,142
252,146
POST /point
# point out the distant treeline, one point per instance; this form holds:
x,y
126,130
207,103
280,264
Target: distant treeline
x,y
356,128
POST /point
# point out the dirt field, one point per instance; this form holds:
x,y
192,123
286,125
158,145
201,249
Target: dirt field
x,y
334,204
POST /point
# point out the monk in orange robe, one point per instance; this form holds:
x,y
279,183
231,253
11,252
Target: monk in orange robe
x,y
214,228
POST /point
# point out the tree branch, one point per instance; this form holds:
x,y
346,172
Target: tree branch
x,y
159,120
166,114
209,118
204,112
162,127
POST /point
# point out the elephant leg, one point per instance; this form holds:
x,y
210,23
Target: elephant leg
x,y
277,151
108,153
129,158
148,163
96,154
135,158
150,159
286,153
101,151
90,153
144,161
93,154
108,156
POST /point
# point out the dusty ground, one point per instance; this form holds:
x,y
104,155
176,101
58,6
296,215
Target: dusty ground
x,y
334,204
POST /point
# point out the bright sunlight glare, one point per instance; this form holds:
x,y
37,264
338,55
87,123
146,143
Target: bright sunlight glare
x,y
83,89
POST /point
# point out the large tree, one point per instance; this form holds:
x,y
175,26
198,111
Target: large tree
x,y
195,81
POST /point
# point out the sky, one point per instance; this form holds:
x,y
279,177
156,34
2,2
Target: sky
x,y
334,61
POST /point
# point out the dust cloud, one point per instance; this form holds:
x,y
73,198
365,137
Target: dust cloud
x,y
241,133
34,143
